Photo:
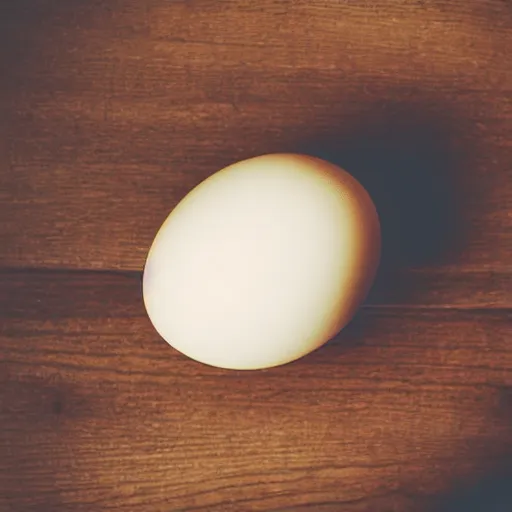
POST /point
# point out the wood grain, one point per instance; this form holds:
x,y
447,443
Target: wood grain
x,y
113,110
412,289
98,413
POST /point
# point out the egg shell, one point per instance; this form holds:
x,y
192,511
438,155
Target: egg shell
x,y
263,262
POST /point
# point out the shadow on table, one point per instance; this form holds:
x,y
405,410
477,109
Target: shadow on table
x,y
405,156
414,163
492,493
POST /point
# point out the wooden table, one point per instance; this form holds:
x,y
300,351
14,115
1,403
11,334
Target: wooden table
x,y
111,111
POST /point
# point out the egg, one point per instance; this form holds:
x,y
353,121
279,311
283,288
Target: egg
x,y
263,262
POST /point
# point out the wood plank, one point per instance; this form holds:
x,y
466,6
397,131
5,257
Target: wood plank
x,y
411,289
408,410
112,111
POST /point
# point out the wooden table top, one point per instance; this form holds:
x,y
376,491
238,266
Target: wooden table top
x,y
110,111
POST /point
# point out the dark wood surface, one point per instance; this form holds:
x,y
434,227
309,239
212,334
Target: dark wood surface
x,y
110,111
100,414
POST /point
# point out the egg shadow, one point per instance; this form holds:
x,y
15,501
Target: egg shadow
x,y
405,156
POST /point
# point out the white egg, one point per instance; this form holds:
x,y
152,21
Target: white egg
x,y
263,262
